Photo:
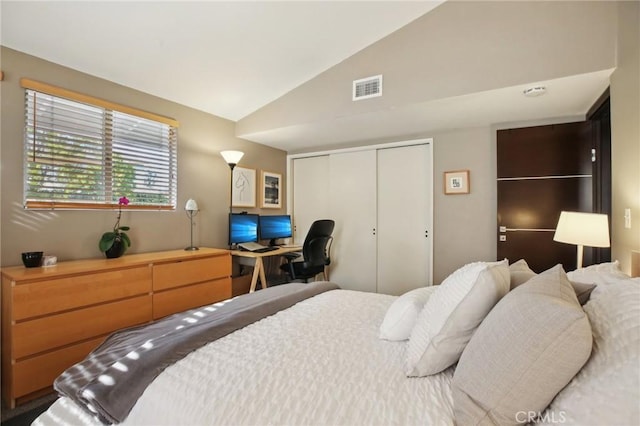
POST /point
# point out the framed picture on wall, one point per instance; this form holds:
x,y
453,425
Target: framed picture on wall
x,y
243,187
456,182
270,190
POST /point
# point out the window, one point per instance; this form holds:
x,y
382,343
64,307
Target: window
x,y
84,152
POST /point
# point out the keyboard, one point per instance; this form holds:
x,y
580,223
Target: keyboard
x,y
264,249
250,246
256,248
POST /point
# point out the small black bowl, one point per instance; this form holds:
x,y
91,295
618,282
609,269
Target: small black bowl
x,y
32,259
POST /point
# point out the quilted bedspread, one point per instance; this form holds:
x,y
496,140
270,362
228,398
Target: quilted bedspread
x,y
109,381
319,362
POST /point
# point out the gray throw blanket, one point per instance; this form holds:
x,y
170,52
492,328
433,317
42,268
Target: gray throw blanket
x,y
110,380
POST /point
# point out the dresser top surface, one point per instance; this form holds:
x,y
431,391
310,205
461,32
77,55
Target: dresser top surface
x,y
20,273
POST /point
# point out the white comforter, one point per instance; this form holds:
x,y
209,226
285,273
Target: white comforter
x,y
318,362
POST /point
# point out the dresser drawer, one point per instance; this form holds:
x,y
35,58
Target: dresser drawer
x,y
39,372
180,299
53,317
56,295
32,337
176,274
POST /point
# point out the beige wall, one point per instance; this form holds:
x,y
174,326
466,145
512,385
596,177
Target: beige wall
x,y
202,173
625,135
464,225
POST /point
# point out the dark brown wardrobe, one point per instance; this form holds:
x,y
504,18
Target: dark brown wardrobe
x,y
543,170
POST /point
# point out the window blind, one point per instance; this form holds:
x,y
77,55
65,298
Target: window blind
x,y
87,155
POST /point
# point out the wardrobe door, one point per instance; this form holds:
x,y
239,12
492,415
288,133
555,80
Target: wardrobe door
x,y
352,203
310,194
404,218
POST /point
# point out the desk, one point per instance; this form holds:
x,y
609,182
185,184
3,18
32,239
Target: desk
x,y
253,259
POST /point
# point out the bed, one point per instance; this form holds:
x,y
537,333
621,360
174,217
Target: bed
x,y
340,357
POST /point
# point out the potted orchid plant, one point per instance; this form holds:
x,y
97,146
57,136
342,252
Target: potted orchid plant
x,y
115,243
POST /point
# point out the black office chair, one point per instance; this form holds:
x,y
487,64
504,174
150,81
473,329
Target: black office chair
x,y
315,252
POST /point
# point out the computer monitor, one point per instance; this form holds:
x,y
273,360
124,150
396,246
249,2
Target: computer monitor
x,y
243,228
275,227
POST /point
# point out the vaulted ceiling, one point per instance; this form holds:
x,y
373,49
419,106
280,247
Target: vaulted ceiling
x,y
283,70
227,58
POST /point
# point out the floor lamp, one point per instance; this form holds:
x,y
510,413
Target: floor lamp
x,y
582,229
192,209
232,158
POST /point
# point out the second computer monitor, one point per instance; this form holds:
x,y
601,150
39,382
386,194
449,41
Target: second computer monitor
x,y
275,227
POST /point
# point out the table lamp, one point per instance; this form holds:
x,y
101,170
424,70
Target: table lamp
x,y
582,229
192,209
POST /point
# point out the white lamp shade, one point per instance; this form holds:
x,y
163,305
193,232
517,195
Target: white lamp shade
x,y
585,229
191,205
232,157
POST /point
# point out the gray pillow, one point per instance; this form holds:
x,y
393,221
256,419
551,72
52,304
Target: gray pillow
x,y
520,273
583,291
525,351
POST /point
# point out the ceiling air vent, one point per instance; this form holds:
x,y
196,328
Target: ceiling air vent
x,y
369,87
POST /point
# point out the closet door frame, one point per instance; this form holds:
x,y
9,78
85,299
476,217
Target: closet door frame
x,y
429,141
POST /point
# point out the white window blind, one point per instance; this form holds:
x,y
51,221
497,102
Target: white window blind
x,y
89,153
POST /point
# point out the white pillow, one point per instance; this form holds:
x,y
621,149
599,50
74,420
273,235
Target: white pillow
x,y
606,391
403,313
452,314
601,273
601,267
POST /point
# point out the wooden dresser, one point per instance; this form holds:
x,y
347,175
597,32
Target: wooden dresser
x,y
53,317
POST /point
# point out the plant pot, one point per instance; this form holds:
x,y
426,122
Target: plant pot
x,y
117,249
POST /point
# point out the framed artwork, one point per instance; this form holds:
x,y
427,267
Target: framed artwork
x,y
271,190
456,182
243,187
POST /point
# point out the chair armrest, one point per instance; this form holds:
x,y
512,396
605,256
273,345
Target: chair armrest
x,y
291,256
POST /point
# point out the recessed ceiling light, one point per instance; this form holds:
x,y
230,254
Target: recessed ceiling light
x,y
532,92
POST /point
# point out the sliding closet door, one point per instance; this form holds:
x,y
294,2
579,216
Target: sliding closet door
x,y
404,218
310,194
353,206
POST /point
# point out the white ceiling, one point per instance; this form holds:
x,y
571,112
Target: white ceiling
x,y
232,58
225,58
